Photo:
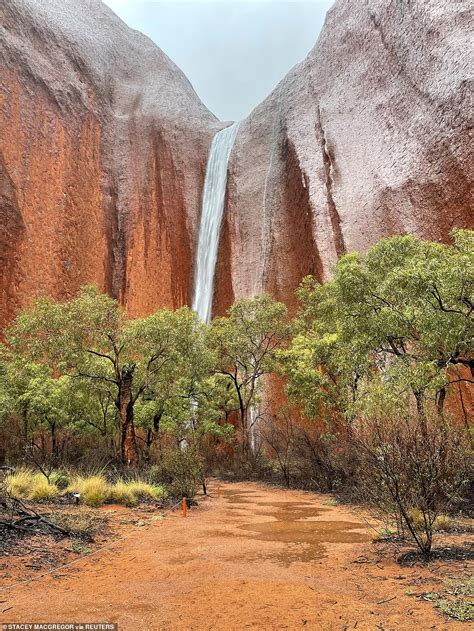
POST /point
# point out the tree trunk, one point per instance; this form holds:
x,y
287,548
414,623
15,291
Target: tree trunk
x,y
440,401
420,407
148,438
127,427
54,443
243,414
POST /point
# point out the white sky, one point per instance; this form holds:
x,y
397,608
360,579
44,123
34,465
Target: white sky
x,y
234,52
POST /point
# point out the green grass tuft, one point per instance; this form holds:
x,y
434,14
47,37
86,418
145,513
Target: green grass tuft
x,y
332,501
34,487
94,490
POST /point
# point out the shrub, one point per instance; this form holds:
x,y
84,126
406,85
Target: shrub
x,y
26,485
411,469
183,469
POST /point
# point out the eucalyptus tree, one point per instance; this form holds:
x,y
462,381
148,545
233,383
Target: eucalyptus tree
x,y
245,344
90,338
401,317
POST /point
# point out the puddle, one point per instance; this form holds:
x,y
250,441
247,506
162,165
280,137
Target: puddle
x,y
309,532
298,525
291,554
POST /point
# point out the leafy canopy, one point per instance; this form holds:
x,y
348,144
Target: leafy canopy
x,y
393,320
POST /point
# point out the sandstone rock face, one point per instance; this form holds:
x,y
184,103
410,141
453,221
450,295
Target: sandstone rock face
x,y
103,147
367,137
104,143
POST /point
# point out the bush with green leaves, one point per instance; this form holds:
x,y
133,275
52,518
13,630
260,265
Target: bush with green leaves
x,y
182,470
90,339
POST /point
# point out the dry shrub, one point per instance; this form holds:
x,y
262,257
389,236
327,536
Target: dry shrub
x,y
411,470
304,453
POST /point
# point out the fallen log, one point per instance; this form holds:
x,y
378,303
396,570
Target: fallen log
x,y
28,517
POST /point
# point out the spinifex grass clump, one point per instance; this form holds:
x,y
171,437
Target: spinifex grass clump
x,y
94,490
26,485
129,493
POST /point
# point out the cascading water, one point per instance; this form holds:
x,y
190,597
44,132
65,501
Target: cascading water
x,y
211,218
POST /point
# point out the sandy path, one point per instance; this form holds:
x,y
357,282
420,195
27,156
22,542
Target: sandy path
x,y
256,558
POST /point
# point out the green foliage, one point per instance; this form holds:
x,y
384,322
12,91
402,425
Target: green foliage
x,y
244,345
394,327
391,330
456,601
156,364
389,323
182,470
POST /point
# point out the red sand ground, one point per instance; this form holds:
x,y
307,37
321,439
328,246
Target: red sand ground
x,y
255,558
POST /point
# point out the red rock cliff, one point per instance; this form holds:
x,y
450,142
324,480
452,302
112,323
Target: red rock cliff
x,y
103,147
367,137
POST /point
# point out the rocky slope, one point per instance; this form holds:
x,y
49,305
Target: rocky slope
x,y
103,146
367,137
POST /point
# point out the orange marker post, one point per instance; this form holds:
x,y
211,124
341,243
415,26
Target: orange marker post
x,y
218,491
185,507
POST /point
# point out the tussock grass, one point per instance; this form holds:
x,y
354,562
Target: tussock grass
x,y
94,490
129,493
26,485
442,522
59,479
122,493
143,490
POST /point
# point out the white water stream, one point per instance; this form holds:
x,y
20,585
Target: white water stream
x,y
213,200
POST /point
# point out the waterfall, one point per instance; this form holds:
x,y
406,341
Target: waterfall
x,y
211,218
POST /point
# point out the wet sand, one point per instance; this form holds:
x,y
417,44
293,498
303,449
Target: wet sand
x,y
256,558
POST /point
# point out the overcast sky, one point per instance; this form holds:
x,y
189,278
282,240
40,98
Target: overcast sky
x,y
234,52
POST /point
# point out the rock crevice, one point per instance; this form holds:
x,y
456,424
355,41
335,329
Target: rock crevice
x,y
329,169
